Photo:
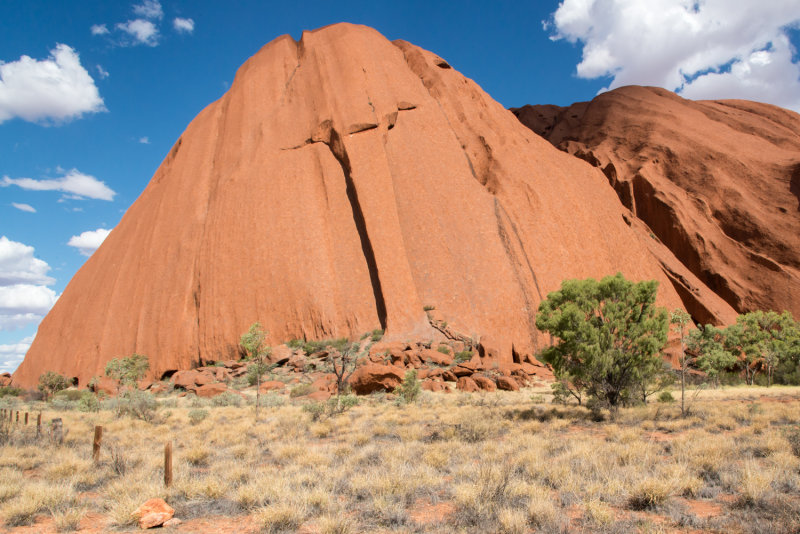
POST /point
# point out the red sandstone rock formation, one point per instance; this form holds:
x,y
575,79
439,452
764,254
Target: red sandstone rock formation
x,y
343,183
717,183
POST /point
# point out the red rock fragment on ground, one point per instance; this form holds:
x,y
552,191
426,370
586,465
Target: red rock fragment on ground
x,y
467,385
153,513
485,383
507,383
211,390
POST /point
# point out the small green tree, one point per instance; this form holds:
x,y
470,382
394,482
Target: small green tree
x,y
410,388
51,383
681,319
252,342
129,370
712,355
343,357
609,334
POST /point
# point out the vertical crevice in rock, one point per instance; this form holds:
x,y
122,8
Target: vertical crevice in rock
x,y
337,148
515,262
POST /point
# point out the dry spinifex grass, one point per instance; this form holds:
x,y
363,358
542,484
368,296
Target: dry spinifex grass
x,y
487,462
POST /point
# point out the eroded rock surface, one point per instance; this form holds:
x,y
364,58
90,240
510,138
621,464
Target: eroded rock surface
x,y
716,184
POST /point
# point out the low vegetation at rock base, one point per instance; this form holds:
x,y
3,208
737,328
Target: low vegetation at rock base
x,y
485,462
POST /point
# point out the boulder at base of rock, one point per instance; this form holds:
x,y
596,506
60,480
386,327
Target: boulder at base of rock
x,y
153,513
5,379
434,356
211,390
185,379
467,384
433,385
507,383
279,355
485,383
375,377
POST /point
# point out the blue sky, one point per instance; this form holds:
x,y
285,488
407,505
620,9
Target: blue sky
x,y
94,93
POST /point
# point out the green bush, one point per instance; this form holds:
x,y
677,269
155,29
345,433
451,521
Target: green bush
x,y
444,349
134,403
88,402
463,356
51,383
377,334
255,371
300,390
10,391
69,395
196,415
226,399
333,406
410,388
666,397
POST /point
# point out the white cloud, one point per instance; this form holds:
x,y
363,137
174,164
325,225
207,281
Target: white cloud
x,y
701,49
54,89
140,31
74,183
24,207
103,73
89,241
11,355
183,25
144,140
99,29
149,9
26,300
19,266
24,297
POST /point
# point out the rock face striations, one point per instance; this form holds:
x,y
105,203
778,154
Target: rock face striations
x,y
343,183
716,182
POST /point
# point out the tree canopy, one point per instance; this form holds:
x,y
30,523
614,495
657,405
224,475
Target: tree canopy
x,y
609,335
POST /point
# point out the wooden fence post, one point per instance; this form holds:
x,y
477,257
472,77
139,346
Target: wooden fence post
x,y
26,418
39,424
98,439
168,464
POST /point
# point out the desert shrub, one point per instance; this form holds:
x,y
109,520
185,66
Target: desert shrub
x,y
444,349
272,400
68,395
410,388
134,403
226,399
463,356
196,415
377,334
649,494
51,383
666,397
333,406
10,391
300,390
128,370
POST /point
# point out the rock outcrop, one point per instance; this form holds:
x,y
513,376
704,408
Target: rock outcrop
x,y
344,183
715,183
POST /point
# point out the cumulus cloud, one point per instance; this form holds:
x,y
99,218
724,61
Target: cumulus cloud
x,y
140,31
75,183
699,48
54,89
99,29
24,207
19,266
183,25
88,241
103,73
11,355
149,9
24,297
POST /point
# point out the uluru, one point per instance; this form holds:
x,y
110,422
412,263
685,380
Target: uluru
x,y
346,183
